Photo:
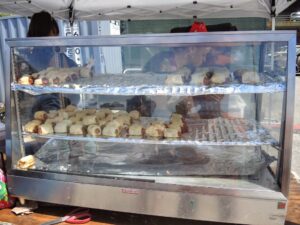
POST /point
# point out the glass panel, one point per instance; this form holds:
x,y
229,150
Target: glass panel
x,y
204,111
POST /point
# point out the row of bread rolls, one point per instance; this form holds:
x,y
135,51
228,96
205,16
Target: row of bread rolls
x,y
102,122
53,75
213,75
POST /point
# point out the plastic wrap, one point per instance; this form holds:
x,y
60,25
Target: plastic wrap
x,y
96,158
150,84
219,131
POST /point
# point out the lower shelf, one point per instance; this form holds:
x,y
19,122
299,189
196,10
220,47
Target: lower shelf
x,y
97,158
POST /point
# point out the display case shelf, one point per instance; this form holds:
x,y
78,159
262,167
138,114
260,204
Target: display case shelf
x,y
150,84
204,132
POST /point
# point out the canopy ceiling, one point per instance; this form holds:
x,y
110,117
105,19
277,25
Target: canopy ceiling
x,y
145,10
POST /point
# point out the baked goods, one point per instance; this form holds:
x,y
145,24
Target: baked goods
x,y
197,78
26,79
247,76
172,133
136,130
26,162
45,129
94,130
40,115
32,126
52,114
134,114
89,120
102,123
100,114
112,129
71,108
90,111
174,79
219,75
124,119
154,131
76,129
61,127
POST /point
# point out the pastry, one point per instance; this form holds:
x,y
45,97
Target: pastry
x,y
94,130
111,130
136,130
61,127
176,116
134,114
124,119
71,108
172,133
154,131
88,120
32,126
219,75
159,125
26,162
26,79
100,114
90,111
120,113
40,115
250,77
76,129
44,129
174,79
63,114
74,119
102,123
52,114
58,119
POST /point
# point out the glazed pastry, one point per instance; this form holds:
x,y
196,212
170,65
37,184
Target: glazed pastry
x,y
154,131
44,129
76,129
70,108
26,79
39,81
136,130
94,130
88,120
111,130
40,115
135,115
32,126
172,133
26,162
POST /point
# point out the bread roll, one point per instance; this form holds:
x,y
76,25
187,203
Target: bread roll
x,y
26,162
175,79
89,120
100,114
250,77
71,108
40,115
94,130
32,126
45,129
90,111
111,130
135,115
136,130
26,79
220,75
76,129
61,127
172,133
154,131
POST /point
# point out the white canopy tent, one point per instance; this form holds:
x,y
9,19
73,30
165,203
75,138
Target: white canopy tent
x,y
146,10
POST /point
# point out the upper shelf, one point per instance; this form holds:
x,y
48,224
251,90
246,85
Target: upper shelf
x,y
149,84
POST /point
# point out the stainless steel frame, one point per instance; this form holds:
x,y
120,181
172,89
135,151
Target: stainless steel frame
x,y
151,196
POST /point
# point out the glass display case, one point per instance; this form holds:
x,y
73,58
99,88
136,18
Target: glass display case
x,y
195,126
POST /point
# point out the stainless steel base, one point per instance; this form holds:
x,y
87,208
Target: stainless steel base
x,y
242,206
